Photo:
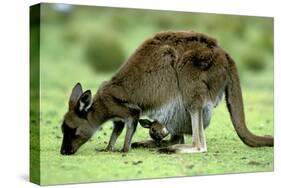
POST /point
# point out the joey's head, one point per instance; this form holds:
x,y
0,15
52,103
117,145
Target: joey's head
x,y
156,130
76,127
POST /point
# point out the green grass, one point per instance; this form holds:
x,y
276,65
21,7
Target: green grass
x,y
63,65
226,153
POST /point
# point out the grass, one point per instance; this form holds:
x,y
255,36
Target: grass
x,y
226,153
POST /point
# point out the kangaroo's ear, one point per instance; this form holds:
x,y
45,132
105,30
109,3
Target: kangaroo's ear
x,y
145,123
75,94
85,101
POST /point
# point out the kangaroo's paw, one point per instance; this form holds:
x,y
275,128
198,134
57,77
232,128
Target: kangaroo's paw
x,y
125,150
181,148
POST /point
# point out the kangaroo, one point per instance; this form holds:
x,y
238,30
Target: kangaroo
x,y
171,77
158,132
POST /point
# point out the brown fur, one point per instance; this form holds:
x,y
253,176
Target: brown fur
x,y
170,64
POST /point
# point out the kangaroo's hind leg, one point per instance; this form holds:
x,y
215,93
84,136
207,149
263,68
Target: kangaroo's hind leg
x,y
198,137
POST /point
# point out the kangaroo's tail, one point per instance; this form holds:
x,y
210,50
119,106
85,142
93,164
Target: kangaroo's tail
x,y
235,107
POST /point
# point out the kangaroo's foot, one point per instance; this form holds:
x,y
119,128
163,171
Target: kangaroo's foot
x,y
182,148
150,144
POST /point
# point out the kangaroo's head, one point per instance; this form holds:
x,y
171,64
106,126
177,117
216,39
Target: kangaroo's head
x,y
76,128
156,130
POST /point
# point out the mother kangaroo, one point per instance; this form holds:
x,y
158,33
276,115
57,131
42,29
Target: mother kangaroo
x,y
172,77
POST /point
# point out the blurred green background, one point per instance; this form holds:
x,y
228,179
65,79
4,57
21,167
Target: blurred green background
x,y
87,44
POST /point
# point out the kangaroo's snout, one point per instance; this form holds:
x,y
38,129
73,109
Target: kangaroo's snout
x,y
66,150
